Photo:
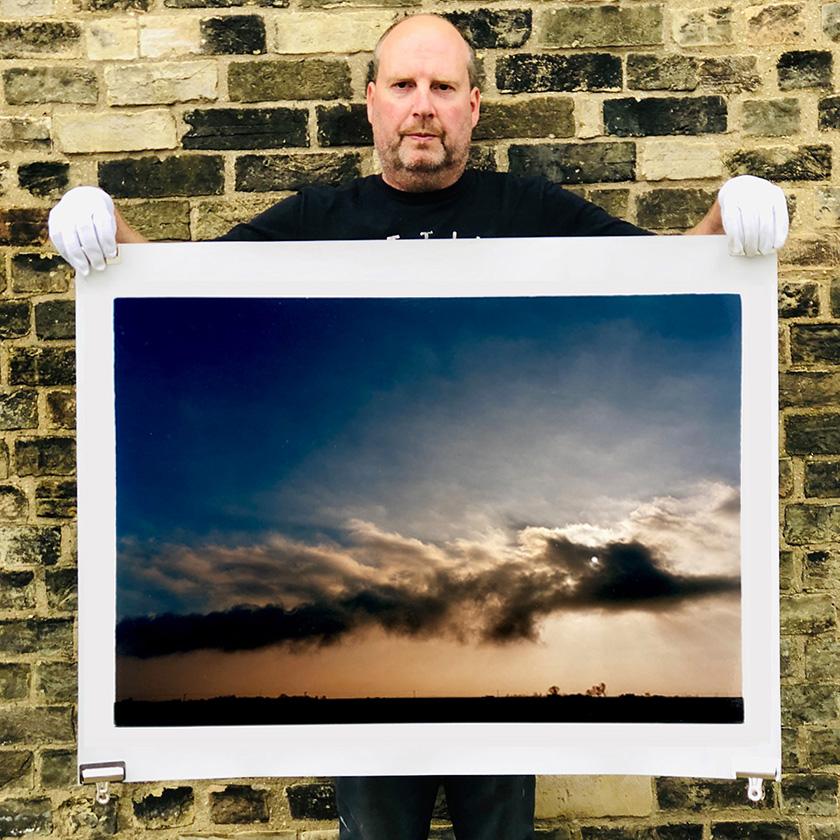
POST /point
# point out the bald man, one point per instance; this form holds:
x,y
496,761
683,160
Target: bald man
x,y
423,104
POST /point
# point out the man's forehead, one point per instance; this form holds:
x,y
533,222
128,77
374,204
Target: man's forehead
x,y
424,41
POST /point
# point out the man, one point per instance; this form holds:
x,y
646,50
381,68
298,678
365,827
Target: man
x,y
423,104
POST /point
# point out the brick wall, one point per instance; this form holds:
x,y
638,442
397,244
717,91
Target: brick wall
x,y
199,113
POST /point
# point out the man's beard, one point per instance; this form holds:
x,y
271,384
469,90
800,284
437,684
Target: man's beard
x,y
428,164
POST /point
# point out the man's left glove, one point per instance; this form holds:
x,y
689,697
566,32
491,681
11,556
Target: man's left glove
x,y
754,215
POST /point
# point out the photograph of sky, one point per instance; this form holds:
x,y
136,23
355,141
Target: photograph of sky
x,y
406,498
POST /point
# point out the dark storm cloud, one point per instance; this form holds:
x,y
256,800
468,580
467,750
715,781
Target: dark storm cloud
x,y
503,601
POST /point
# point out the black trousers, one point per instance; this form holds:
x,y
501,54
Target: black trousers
x,y
400,807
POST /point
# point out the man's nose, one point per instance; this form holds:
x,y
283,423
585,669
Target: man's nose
x,y
423,104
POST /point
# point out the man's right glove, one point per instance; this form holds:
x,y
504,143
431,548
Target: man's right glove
x,y
83,228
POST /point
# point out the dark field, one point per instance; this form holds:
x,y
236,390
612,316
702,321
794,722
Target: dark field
x,y
232,711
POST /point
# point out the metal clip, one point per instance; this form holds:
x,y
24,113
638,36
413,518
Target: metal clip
x,y
101,774
755,789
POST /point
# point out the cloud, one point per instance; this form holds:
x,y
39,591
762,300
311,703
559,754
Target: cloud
x,y
494,590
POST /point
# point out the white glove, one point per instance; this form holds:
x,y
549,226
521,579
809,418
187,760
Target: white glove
x,y
754,215
83,228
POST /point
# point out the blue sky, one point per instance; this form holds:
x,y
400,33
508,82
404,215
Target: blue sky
x,y
278,434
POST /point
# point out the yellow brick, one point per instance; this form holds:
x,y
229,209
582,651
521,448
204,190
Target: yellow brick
x,y
112,39
589,120
169,36
320,32
593,796
26,8
96,132
676,160
161,84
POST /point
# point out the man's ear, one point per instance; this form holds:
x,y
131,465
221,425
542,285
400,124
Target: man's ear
x,y
371,89
475,104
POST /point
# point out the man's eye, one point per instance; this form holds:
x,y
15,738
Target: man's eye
x,y
402,85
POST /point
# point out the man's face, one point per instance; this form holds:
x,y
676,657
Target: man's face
x,y
421,106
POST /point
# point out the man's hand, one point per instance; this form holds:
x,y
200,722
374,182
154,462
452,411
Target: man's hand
x,y
754,215
83,228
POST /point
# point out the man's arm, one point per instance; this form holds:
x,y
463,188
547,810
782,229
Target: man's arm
x,y
85,228
751,212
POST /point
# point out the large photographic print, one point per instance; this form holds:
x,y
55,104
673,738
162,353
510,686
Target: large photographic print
x,y
402,510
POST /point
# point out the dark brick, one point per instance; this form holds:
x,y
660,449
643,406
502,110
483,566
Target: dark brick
x,y
18,409
529,73
808,704
30,544
345,125
601,26
822,479
56,682
665,115
312,801
785,477
678,831
14,682
19,817
45,636
30,725
154,177
13,503
824,746
55,319
15,768
483,158
55,499
702,795
268,81
223,4
674,209
829,112
17,590
815,344
755,831
172,807
598,832
810,795
37,38
493,29
233,35
266,173
61,589
58,768
732,74
572,163
23,226
819,570
41,85
799,300
614,201
239,804
812,434
811,523
793,755
36,274
800,163
45,456
246,128
44,178
61,409
538,117
807,251
772,117
804,69
657,72
15,316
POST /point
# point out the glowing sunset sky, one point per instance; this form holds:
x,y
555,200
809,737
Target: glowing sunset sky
x,y
428,497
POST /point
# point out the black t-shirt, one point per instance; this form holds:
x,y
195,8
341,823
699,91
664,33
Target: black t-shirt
x,y
481,204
